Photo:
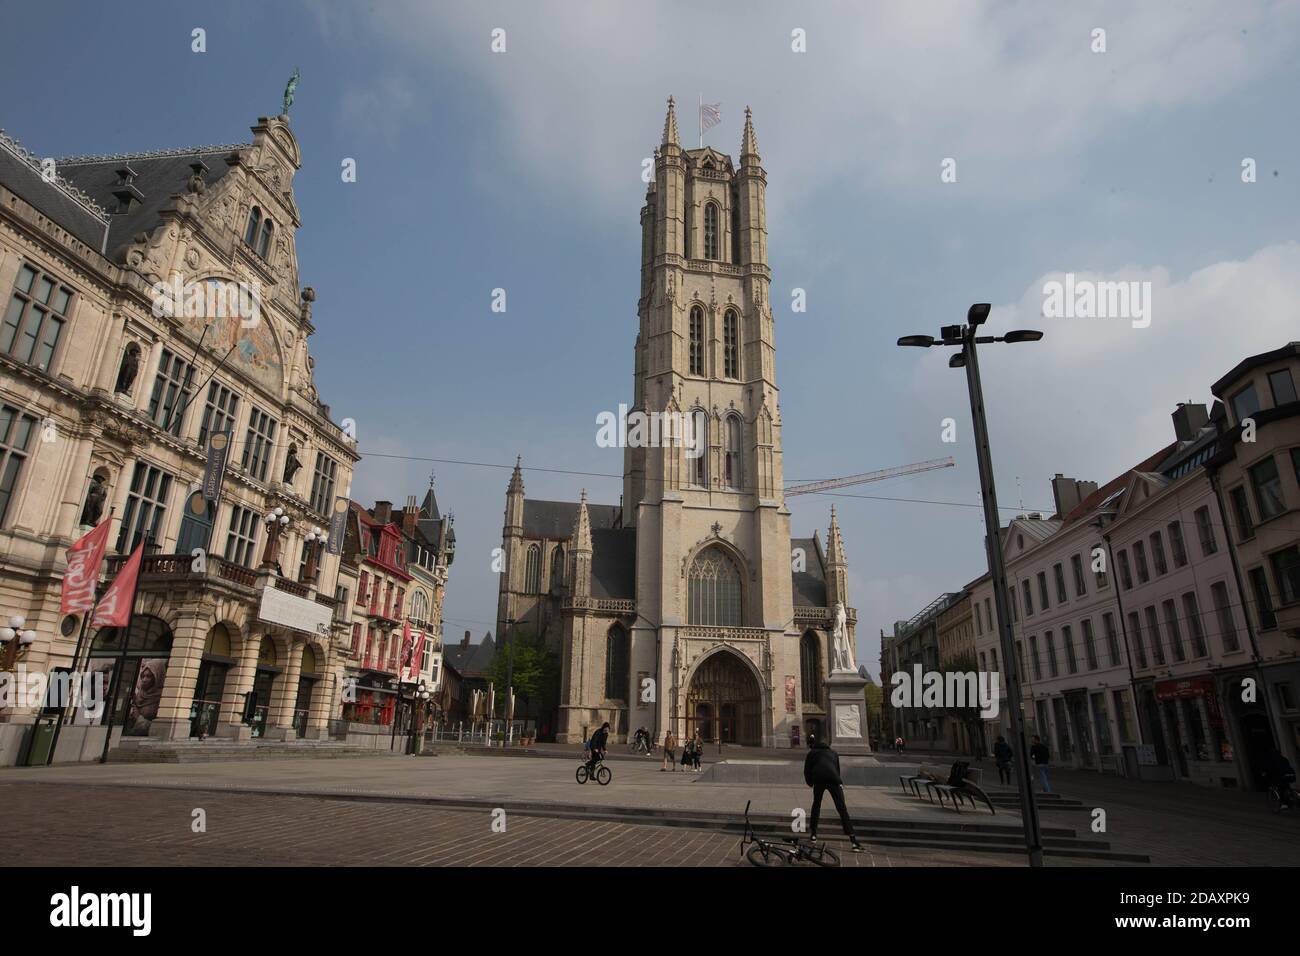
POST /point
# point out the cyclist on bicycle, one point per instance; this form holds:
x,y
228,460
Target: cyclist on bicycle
x,y
1280,774
599,740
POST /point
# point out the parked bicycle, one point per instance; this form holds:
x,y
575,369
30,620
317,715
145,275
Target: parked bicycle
x,y
1282,796
602,774
765,853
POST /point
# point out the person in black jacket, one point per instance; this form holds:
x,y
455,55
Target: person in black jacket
x,y
599,740
1002,757
821,771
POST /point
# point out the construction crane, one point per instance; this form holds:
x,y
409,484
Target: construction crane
x,y
829,484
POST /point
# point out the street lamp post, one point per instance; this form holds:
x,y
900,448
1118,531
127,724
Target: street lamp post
x,y
966,337
316,541
276,524
15,637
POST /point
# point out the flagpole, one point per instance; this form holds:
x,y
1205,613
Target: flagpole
x,y
699,119
126,642
76,656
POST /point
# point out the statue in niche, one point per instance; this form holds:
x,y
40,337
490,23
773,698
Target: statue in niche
x,y
291,465
129,369
95,498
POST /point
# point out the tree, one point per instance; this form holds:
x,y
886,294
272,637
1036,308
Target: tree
x,y
968,716
875,696
535,672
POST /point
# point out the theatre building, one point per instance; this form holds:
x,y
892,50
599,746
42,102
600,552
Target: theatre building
x,y
150,301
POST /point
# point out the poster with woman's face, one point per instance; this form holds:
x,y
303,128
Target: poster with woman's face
x,y
147,696
83,716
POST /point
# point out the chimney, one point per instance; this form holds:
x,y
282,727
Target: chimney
x,y
1189,419
409,515
1068,492
383,512
464,641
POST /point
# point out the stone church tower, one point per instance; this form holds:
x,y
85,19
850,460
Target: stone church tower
x,y
687,606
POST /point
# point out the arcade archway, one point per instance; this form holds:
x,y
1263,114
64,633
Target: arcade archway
x,y
724,702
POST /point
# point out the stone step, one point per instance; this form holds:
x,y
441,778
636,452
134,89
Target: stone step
x,y
196,751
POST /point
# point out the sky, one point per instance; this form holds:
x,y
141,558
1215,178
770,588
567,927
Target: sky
x,y
520,170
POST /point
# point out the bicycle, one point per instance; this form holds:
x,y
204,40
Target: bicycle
x,y
640,746
765,853
602,774
1283,796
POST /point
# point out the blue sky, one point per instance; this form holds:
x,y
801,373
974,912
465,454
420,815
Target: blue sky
x,y
521,170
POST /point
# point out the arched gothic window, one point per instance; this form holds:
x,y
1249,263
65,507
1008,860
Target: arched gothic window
x,y
533,570
697,340
731,345
710,230
713,596
699,447
254,223
557,567
420,607
810,668
616,663
735,228
732,472
264,244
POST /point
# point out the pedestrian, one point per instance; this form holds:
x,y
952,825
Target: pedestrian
x,y
1002,756
597,745
688,754
821,771
699,749
898,744
1041,757
670,751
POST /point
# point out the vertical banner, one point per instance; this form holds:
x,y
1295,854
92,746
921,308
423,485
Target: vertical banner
x,y
338,525
215,469
405,664
84,560
114,608
417,655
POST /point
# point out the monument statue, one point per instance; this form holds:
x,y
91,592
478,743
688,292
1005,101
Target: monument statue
x,y
95,497
289,90
291,464
843,652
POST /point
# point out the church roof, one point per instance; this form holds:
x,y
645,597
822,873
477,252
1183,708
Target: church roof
x,y
158,176
554,519
809,585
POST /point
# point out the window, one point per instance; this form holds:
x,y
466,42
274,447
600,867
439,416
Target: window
x,y
1089,644
1097,701
1020,655
1076,566
1112,638
264,243
1033,652
241,536
988,612
993,651
983,663
1067,638
254,225
146,503
1158,553
218,413
420,607
710,230
1263,601
1245,403
732,472
171,395
1174,631
1176,545
1268,489
731,345
810,669
1050,641
1295,463
1059,573
1205,531
1282,386
713,590
1042,590
1135,631
322,484
1286,571
1123,715
1029,597
1011,603
1153,632
1222,607
697,340
196,523
699,464
533,570
735,227
33,323
557,567
1241,511
1140,562
15,432
1103,580
1192,615
1125,577
363,589
259,442
979,621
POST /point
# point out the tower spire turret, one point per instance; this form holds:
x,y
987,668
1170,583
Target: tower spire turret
x,y
748,141
670,126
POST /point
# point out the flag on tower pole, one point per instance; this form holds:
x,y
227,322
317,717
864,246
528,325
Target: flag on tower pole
x,y
115,607
710,116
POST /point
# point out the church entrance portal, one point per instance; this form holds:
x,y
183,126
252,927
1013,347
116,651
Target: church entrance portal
x,y
724,702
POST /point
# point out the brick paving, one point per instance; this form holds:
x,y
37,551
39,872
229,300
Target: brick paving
x,y
88,825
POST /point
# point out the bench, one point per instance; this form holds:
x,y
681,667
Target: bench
x,y
968,789
926,773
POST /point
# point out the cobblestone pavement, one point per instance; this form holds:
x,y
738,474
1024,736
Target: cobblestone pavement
x,y
88,825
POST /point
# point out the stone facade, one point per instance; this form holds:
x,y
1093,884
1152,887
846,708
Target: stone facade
x,y
112,395
686,606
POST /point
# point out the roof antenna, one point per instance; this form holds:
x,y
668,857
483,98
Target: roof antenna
x,y
1020,494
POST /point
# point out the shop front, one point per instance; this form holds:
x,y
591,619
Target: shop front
x,y
210,685
1190,720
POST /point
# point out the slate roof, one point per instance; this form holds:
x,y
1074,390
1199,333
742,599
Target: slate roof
x,y
613,563
809,585
471,661
555,519
159,176
58,200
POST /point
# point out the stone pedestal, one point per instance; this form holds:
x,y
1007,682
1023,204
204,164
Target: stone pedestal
x,y
846,713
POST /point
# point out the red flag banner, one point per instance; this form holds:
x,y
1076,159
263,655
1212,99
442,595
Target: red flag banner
x,y
114,608
406,648
84,560
417,654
